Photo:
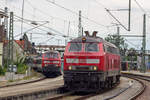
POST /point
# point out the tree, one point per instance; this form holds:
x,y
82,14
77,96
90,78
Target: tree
x,y
119,42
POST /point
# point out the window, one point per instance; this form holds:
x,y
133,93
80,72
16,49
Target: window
x,y
91,47
112,50
75,47
51,55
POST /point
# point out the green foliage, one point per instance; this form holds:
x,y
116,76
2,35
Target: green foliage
x,y
20,63
132,55
117,40
3,70
21,68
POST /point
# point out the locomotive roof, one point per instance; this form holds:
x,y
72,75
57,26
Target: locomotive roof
x,y
92,39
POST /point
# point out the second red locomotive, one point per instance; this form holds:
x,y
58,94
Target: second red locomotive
x,y
91,63
51,63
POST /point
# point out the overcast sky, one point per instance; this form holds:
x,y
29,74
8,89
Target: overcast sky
x,y
42,10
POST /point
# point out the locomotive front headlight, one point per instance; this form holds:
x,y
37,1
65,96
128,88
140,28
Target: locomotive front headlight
x,y
83,39
70,67
94,68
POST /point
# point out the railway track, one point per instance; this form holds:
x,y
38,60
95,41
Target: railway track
x,y
22,83
145,81
74,96
32,90
58,93
79,95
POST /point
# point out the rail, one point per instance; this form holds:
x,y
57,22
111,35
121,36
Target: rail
x,y
80,97
27,82
137,78
134,77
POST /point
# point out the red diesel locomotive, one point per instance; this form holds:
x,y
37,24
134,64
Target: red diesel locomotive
x,y
51,63
91,63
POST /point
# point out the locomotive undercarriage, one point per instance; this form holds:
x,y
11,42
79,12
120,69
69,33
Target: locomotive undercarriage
x,y
91,81
51,70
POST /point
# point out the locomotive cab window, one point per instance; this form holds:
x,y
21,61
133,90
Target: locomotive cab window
x,y
91,47
51,55
75,47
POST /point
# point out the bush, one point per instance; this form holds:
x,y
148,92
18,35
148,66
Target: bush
x,y
20,63
21,68
2,70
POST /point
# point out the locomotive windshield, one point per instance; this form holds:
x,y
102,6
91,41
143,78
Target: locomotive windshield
x,y
75,47
51,55
91,47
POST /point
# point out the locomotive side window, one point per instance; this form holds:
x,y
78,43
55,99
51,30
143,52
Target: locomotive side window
x,y
91,47
112,50
75,47
51,55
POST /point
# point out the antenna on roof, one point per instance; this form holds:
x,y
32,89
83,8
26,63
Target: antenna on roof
x,y
94,33
87,33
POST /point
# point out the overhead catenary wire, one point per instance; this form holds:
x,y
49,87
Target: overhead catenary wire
x,y
42,25
100,4
24,20
116,19
46,40
69,10
142,9
59,33
28,20
137,46
107,10
42,12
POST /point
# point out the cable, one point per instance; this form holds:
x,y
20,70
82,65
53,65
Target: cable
x,y
108,11
116,19
137,46
100,4
26,22
42,26
142,9
69,10
42,12
60,34
46,40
